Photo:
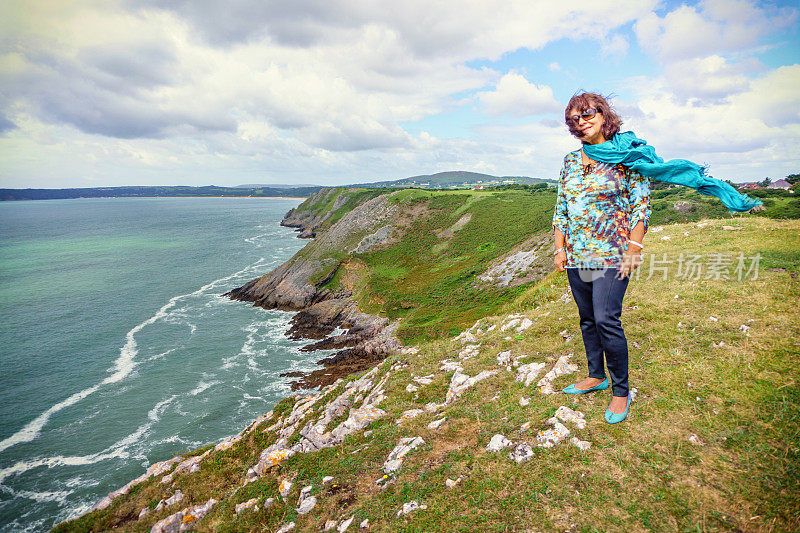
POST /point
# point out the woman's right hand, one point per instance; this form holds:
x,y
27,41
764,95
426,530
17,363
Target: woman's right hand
x,y
560,260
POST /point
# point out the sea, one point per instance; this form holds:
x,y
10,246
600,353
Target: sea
x,y
117,349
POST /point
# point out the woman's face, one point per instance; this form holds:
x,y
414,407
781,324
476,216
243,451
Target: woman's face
x,y
592,128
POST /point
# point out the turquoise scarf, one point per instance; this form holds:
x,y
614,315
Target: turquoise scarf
x,y
636,154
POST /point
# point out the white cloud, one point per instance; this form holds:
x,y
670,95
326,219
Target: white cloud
x,y
615,45
711,78
715,27
515,95
756,128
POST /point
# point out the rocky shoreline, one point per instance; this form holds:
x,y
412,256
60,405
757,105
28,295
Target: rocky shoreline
x,y
331,319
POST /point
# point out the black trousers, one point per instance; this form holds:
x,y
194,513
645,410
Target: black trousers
x,y
598,294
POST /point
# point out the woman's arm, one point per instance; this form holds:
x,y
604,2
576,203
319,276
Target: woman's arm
x,y
639,188
560,258
560,221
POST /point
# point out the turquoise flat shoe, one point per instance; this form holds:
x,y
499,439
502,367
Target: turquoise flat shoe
x,y
616,418
570,389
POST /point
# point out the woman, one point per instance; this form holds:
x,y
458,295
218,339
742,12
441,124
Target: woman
x,y
601,216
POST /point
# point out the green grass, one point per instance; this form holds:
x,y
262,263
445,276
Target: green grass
x,y
740,398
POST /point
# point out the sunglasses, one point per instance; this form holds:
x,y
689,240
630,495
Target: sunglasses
x,y
587,114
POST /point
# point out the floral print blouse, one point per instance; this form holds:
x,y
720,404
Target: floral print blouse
x,y
596,208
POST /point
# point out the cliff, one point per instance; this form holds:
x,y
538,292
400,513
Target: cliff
x,y
465,430
335,280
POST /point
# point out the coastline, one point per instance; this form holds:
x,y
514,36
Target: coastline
x,y
187,197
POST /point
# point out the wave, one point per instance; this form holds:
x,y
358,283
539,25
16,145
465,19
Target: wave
x,y
123,365
118,450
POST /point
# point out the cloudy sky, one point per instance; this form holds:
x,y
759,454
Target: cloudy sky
x,y
199,92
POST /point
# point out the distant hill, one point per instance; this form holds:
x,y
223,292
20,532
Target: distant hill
x,y
277,186
456,179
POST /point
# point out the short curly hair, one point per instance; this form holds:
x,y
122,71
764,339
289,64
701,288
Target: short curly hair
x,y
583,101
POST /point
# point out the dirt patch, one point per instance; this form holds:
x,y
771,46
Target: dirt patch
x,y
449,232
411,213
352,273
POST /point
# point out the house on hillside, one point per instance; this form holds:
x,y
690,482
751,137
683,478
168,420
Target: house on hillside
x,y
751,185
780,184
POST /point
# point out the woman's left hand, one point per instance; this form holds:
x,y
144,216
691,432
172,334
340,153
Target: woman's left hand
x,y
630,262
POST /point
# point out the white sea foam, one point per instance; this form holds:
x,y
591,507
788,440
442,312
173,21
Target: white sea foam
x,y
203,385
58,460
163,354
123,365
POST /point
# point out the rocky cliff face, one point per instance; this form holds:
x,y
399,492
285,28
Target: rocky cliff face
x,y
307,219
298,285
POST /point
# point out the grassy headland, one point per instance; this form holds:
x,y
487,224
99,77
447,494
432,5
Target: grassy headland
x,y
712,442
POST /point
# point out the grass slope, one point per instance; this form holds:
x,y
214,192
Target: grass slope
x,y
735,389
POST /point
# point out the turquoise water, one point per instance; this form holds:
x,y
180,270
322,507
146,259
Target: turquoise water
x,y
116,349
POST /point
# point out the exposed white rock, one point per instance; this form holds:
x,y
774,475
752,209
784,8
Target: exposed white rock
x,y
521,453
550,437
468,338
469,351
409,507
364,524
408,415
395,459
249,504
565,414
437,423
156,469
329,524
184,520
433,406
286,528
268,459
491,328
326,479
525,426
367,434
509,325
448,366
175,498
744,328
452,483
191,464
694,439
524,402
411,388
525,324
425,380
284,488
498,442
562,367
344,525
581,444
504,358
306,505
713,319
144,512
528,373
461,382
411,350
